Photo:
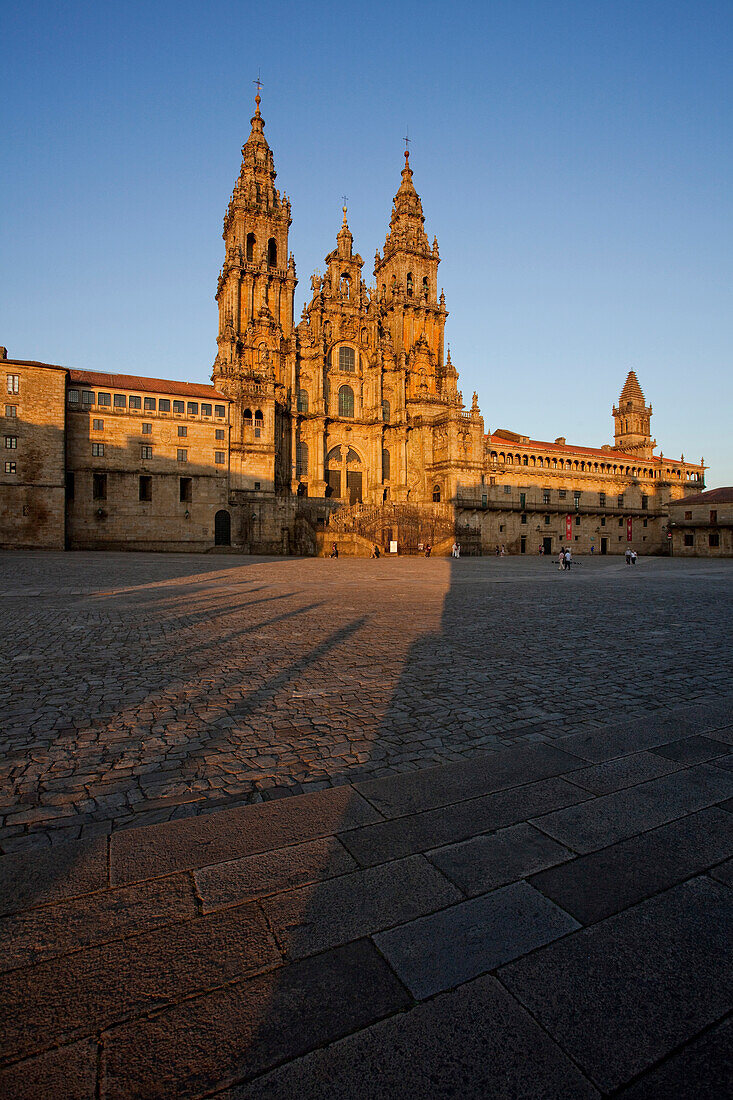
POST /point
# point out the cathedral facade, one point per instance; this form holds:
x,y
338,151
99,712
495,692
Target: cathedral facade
x,y
347,426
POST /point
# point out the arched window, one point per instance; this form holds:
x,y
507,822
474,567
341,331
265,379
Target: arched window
x,y
385,465
436,494
302,401
334,456
409,285
250,247
347,360
248,417
259,418
385,411
525,461
272,252
301,460
425,289
346,401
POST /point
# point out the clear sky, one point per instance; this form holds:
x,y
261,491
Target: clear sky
x,y
574,160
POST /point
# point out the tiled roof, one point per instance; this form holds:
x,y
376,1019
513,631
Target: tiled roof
x,y
147,385
723,495
31,363
565,448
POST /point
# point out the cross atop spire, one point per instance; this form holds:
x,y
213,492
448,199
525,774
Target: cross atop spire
x,y
259,85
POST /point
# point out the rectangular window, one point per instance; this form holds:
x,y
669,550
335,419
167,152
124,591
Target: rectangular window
x,y
120,401
507,488
97,450
523,502
219,433
620,523
147,429
347,361
134,402
11,442
182,456
689,540
547,520
205,410
688,515
562,493
646,522
146,487
146,452
220,410
192,408
257,486
577,521
576,499
185,490
73,397
11,410
10,468
87,397
69,486
524,518
603,521
219,458
545,496
645,502
602,499
179,408
621,500
104,399
713,515
149,404
13,383
98,425
164,405
714,538
182,430
258,433
99,486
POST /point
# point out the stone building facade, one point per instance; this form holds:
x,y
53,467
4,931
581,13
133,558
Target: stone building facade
x,y
349,424
701,525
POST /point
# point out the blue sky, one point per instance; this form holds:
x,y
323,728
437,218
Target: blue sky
x,y
574,160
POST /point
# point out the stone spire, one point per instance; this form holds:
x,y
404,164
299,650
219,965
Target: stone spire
x,y
344,237
632,419
406,227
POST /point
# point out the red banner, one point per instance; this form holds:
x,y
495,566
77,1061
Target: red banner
x,y
568,528
629,525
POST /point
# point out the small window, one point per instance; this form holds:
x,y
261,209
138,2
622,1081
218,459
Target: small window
x,y
11,442
98,425
688,515
547,520
301,459
11,410
507,489
385,465
146,452
302,401
346,400
603,521
135,402
147,429
713,515
577,521
250,247
545,496
272,252
182,430
714,538
409,285
97,450
220,410
120,401
436,494
73,397
576,497
645,502
13,383
146,487
258,431
179,408
689,540
149,404
104,399
99,486
185,490
205,410
87,397
386,412
259,419
620,523
219,458
257,486
192,408
164,405
602,500
562,493
181,455
70,486
646,523
347,360
220,433
524,517
621,500
10,468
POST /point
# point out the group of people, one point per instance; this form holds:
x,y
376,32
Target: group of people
x,y
455,550
630,556
500,552
564,557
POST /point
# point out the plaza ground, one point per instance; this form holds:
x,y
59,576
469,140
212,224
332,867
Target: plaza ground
x,y
518,885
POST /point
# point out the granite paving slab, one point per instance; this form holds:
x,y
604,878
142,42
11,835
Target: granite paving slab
x,y
724,872
702,1070
624,771
442,950
474,1042
625,993
691,750
47,875
68,1073
594,886
486,862
238,1032
613,817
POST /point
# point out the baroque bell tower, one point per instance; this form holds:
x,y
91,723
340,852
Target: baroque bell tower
x,y
255,361
632,418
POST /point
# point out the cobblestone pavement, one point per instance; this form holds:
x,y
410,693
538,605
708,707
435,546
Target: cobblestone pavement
x,y
136,688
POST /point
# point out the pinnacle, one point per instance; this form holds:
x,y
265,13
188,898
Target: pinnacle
x,y
632,390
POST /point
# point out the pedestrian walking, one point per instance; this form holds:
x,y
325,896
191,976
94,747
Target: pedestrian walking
x,y
458,549
561,558
568,557
633,557
627,555
503,551
454,550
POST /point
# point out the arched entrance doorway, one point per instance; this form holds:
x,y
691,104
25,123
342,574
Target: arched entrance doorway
x,y
222,528
344,473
